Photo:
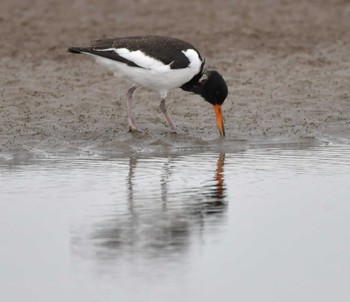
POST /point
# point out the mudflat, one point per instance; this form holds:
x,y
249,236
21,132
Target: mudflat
x,y
286,64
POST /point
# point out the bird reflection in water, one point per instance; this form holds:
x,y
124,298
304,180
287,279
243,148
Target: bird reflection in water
x,y
217,190
164,222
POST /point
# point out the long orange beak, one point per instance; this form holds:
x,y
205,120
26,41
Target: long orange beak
x,y
219,119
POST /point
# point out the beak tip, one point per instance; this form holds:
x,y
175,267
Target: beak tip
x,y
219,119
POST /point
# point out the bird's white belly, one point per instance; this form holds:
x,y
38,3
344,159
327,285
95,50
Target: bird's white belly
x,y
161,77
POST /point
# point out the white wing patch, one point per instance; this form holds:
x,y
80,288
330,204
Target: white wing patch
x,y
153,74
193,57
142,60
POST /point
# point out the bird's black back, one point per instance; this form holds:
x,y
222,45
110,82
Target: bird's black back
x,y
165,49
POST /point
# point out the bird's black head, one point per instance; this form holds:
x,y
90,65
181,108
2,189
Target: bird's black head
x,y
214,90
213,87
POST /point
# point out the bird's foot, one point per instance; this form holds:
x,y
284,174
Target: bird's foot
x,y
133,129
173,131
132,126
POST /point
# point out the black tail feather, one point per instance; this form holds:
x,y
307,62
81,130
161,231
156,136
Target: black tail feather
x,y
75,49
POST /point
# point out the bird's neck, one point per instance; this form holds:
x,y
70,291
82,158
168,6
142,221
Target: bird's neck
x,y
194,85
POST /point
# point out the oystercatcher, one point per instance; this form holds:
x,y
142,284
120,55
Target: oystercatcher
x,y
159,63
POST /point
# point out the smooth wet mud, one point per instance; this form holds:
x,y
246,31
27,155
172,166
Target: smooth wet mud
x,y
286,64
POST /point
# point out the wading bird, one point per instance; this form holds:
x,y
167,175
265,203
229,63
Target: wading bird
x,y
161,64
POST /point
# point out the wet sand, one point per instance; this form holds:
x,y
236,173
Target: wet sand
x,y
286,64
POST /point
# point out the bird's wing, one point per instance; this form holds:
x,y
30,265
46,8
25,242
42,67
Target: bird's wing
x,y
144,51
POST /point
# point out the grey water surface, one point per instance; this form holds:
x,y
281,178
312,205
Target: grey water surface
x,y
257,224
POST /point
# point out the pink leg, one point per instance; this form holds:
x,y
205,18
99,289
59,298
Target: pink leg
x,y
131,121
166,115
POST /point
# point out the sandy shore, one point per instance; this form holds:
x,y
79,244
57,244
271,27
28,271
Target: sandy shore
x,y
286,63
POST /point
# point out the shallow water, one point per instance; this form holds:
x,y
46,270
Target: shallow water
x,y
257,224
